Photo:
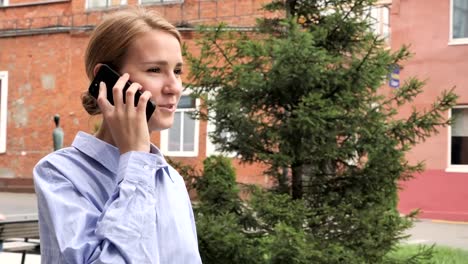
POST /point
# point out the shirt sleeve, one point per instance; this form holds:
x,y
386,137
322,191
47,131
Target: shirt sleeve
x,y
122,232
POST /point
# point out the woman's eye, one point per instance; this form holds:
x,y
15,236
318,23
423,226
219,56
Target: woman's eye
x,y
178,71
156,70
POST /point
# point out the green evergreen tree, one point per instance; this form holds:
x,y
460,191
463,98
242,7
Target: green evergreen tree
x,y
222,220
301,94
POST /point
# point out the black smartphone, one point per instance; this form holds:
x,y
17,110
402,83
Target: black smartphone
x,y
109,76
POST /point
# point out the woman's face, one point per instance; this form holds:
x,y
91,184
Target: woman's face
x,y
154,60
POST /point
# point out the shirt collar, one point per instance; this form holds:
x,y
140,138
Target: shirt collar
x,y
101,151
107,154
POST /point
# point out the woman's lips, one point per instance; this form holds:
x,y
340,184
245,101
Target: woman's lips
x,y
167,107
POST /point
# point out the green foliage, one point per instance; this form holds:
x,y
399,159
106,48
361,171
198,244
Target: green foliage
x,y
221,220
274,228
423,254
274,209
301,95
217,189
221,239
287,245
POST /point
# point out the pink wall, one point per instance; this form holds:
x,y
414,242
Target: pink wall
x,y
440,195
425,26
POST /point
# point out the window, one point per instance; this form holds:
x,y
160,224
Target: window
x,y
181,140
212,148
3,109
459,22
3,2
159,1
90,4
458,154
379,16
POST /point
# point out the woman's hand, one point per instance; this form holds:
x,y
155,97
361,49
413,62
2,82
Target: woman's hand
x,y
127,123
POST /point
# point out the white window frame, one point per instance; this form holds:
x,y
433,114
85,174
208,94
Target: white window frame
x,y
210,128
153,2
4,2
453,167
452,41
380,19
87,6
210,146
4,108
165,136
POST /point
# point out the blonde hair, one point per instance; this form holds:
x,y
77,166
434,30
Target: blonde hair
x,y
112,38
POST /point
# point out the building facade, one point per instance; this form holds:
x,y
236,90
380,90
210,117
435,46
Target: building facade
x,y
437,32
42,44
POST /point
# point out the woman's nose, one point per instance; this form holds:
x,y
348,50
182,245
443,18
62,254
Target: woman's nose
x,y
172,84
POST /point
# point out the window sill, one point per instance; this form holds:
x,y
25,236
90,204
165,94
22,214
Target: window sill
x,y
157,2
34,3
104,8
459,169
181,154
458,42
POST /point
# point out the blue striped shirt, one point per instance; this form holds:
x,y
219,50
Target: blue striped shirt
x,y
98,206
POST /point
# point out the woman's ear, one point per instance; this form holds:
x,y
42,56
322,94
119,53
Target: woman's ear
x,y
96,68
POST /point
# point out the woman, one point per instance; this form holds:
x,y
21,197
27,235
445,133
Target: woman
x,y
111,197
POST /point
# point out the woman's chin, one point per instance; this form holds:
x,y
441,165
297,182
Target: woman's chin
x,y
158,125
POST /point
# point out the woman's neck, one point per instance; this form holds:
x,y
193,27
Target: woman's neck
x,y
104,134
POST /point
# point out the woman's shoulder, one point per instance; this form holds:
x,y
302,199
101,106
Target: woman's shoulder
x,y
58,163
61,156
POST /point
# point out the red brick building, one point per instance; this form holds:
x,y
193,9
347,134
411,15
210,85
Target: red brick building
x,y
42,46
42,74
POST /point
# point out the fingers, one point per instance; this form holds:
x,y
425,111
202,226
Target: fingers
x,y
143,101
118,95
102,101
130,96
127,123
117,90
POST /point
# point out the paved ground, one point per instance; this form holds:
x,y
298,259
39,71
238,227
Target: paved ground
x,y
17,205
13,258
452,234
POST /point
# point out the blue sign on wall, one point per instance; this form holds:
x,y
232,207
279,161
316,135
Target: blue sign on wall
x,y
394,80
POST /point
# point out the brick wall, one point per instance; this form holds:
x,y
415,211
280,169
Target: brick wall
x,y
234,12
46,73
45,78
